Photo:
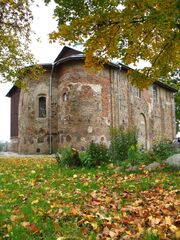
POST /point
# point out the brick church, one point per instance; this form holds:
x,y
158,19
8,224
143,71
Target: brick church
x,y
72,106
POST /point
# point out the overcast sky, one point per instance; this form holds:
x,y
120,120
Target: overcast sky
x,y
43,51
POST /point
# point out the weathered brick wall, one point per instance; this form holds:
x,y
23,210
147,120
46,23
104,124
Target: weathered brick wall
x,y
131,107
34,131
83,106
163,115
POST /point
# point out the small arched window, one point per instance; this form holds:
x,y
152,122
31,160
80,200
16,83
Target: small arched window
x,y
65,97
155,94
137,92
42,107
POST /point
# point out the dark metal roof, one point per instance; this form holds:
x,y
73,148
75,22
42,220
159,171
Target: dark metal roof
x,y
166,86
65,50
11,91
69,58
46,64
81,56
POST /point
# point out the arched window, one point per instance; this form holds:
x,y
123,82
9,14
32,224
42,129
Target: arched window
x,y
155,94
42,107
65,97
137,92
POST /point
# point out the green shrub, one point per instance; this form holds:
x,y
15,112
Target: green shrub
x,y
68,157
95,155
163,148
121,141
86,159
134,155
140,156
149,157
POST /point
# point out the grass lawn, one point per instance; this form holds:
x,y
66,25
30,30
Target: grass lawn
x,y
38,200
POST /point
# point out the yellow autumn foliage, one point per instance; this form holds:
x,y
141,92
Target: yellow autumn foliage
x,y
125,29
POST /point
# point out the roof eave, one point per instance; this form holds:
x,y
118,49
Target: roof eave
x,y
11,91
82,57
167,87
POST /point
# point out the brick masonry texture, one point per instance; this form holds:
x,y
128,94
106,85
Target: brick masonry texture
x,y
84,105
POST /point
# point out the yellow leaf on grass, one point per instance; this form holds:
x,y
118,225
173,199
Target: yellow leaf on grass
x,y
93,194
53,205
2,194
106,231
154,221
40,212
9,228
173,228
13,217
111,165
35,201
112,234
75,211
177,233
168,220
108,199
94,225
140,229
32,182
25,224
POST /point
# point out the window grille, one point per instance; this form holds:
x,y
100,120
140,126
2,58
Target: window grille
x,y
42,107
